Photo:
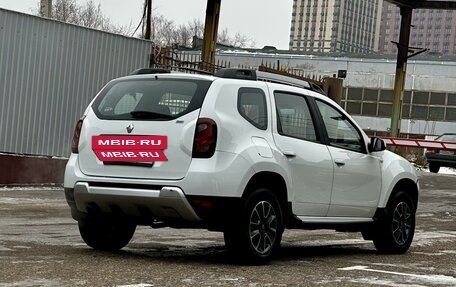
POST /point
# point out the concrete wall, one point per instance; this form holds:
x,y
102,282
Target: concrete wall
x,y
16,169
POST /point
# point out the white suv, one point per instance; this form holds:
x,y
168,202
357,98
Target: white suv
x,y
242,156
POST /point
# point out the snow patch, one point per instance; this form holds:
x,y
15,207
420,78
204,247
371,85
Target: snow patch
x,y
433,279
33,283
30,188
439,253
383,282
423,238
444,170
3,248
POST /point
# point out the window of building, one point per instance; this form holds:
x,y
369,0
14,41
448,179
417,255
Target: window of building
x,y
419,112
405,111
407,97
354,93
436,113
451,100
385,110
369,109
450,114
421,98
353,108
437,99
370,95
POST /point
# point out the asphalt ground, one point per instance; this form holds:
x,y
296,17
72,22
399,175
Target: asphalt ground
x,y
40,246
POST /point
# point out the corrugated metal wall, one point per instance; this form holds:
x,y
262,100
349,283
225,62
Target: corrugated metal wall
x,y
49,72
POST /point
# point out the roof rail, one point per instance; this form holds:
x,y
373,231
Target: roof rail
x,y
275,78
143,71
248,74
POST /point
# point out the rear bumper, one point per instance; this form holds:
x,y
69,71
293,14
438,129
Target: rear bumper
x,y
210,191
135,202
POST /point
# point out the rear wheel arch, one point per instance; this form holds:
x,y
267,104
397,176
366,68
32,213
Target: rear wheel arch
x,y
274,182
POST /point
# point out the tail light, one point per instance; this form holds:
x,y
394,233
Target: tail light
x,y
76,135
205,138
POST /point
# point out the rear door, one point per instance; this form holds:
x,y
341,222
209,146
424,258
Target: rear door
x,y
309,160
146,106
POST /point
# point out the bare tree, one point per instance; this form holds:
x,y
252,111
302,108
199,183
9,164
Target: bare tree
x,y
163,31
183,35
66,11
223,37
88,15
241,40
196,27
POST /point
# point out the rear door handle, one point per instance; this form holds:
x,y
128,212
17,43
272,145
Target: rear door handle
x,y
289,153
339,163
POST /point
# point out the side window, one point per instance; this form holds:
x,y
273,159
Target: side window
x,y
341,132
293,116
252,107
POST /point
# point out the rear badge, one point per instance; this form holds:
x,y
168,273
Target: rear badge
x,y
130,128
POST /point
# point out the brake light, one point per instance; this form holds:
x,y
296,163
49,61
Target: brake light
x,y
205,138
76,135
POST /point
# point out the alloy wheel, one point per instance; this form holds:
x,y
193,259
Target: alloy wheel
x,y
263,227
402,223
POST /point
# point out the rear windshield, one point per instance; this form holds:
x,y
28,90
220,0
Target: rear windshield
x,y
150,99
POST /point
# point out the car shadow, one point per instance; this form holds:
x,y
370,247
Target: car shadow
x,y
218,254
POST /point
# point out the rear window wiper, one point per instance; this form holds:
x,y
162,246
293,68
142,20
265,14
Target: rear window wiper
x,y
150,115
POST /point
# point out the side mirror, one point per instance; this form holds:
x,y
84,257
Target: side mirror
x,y
376,144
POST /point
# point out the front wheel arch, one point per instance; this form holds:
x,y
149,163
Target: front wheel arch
x,y
408,186
394,230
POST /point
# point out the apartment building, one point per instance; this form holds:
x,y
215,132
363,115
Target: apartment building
x,y
336,26
431,29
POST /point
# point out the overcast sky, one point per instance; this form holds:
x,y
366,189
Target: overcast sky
x,y
265,21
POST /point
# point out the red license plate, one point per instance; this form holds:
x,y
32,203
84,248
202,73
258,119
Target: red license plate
x,y
138,148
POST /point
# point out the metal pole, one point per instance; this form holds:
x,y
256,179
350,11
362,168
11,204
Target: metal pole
x,y
210,32
46,8
401,70
148,33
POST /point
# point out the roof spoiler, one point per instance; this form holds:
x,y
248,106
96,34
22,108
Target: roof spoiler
x,y
144,71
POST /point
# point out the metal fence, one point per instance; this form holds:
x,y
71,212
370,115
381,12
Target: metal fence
x,y
49,72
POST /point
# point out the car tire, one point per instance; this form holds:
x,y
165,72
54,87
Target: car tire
x,y
395,230
257,232
106,235
434,167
